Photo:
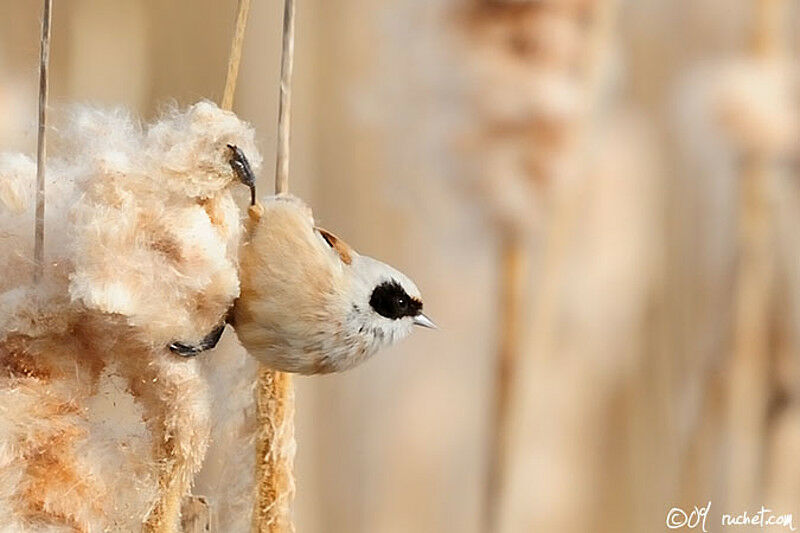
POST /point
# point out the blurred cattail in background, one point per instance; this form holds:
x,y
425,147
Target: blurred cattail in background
x,y
540,76
761,121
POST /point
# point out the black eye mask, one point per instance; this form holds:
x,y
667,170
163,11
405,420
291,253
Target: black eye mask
x,y
390,300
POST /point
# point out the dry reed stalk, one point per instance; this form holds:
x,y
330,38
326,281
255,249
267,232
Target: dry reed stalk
x,y
275,444
514,272
41,148
747,403
285,105
750,367
235,57
275,453
164,517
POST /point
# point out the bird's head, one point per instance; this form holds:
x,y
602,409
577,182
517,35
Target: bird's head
x,y
384,303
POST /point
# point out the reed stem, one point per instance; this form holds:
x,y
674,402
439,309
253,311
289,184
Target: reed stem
x,y
749,376
275,444
514,271
235,57
285,105
41,144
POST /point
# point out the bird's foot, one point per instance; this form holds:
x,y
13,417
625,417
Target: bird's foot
x,y
208,342
241,167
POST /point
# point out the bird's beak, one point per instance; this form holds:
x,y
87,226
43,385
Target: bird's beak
x,y
425,322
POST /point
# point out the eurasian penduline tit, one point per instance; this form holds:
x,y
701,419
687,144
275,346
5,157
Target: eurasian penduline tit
x,y
309,303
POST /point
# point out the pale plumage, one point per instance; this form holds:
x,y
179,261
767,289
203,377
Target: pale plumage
x,y
308,301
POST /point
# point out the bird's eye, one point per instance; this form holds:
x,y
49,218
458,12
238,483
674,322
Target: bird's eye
x,y
390,300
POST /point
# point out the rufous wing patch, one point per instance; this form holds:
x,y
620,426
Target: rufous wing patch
x,y
341,247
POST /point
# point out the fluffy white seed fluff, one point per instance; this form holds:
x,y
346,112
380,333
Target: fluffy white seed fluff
x,y
101,427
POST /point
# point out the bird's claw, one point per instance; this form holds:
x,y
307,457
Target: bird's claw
x,y
241,167
184,350
208,342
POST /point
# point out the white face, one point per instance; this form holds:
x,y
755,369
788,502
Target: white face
x,y
388,302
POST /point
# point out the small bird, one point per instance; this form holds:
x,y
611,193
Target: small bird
x,y
309,303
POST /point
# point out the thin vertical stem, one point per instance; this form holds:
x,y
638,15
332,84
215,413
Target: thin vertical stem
x,y
235,57
514,271
41,149
285,106
749,376
275,444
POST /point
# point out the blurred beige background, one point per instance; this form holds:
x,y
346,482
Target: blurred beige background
x,y
647,376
